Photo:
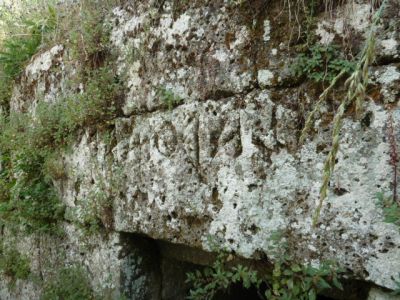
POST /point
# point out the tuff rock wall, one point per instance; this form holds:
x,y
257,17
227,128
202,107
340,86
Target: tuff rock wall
x,y
226,161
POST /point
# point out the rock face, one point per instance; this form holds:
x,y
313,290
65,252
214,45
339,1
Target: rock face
x,y
225,162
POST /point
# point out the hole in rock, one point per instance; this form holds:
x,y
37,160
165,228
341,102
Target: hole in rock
x,y
366,121
164,266
340,191
238,292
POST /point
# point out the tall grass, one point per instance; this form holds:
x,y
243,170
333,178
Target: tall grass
x,y
22,33
356,86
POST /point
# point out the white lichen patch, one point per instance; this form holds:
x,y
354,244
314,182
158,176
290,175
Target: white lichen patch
x,y
358,15
170,29
42,63
241,37
390,47
326,37
221,55
265,78
388,76
267,31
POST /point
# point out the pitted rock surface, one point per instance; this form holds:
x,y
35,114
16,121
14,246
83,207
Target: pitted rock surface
x,y
226,162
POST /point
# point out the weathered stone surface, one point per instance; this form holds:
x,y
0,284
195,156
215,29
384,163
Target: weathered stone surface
x,y
97,254
225,163
377,294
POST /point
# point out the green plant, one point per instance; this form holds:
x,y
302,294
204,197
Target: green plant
x,y
19,47
289,279
13,264
322,63
219,277
28,200
356,86
87,31
96,210
71,283
390,207
29,145
168,97
31,142
21,43
292,280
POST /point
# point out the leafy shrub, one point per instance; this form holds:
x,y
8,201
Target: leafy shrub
x,y
101,102
13,264
71,283
321,63
29,200
28,145
289,279
219,277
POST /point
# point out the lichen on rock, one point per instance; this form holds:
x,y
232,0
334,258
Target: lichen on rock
x,y
223,165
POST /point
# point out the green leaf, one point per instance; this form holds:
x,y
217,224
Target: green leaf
x,y
337,283
312,295
322,284
296,268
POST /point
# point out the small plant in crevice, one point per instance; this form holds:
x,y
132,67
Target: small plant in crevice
x,y
168,97
356,85
391,204
96,211
391,208
13,265
322,63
